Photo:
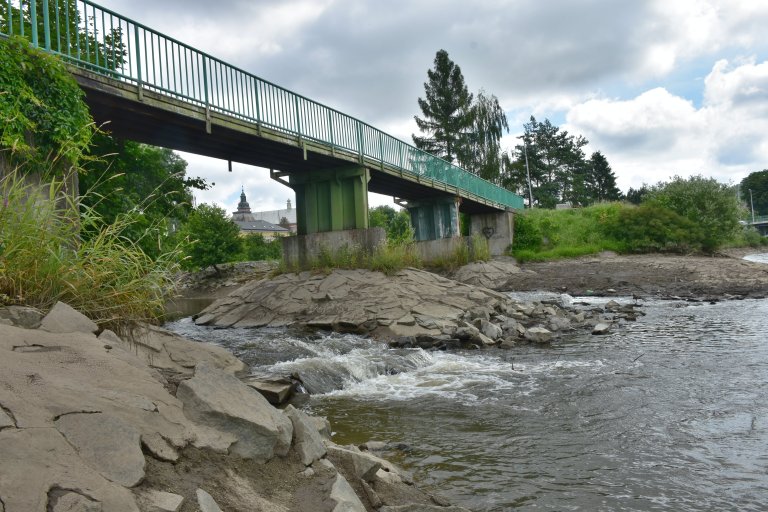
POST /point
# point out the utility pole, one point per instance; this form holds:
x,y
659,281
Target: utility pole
x,y
527,170
752,206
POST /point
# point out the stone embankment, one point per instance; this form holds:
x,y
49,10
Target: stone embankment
x,y
90,422
411,308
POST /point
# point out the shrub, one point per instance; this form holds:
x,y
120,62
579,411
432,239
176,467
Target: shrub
x,y
652,227
711,205
257,248
210,238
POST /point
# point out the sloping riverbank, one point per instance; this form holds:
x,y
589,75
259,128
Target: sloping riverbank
x,y
96,423
726,275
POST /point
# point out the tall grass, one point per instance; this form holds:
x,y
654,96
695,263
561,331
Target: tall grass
x,y
388,258
542,234
44,256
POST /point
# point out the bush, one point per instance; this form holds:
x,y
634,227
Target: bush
x,y
653,228
210,238
711,205
258,248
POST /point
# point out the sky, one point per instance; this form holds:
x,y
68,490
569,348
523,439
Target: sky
x,y
660,87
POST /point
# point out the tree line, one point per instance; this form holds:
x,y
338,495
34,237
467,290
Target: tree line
x,y
466,129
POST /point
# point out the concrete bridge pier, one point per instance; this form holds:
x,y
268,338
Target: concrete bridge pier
x,y
498,228
435,219
331,214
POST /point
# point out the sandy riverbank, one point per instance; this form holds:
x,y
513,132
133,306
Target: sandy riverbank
x,y
660,275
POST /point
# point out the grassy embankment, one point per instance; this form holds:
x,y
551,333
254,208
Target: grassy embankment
x,y
542,235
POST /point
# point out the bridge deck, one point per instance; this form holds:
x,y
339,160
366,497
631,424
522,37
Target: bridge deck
x,y
155,89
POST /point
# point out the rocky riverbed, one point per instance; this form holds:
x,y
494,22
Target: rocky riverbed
x,y
410,308
92,422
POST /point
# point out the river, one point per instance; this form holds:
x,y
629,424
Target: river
x,y
667,413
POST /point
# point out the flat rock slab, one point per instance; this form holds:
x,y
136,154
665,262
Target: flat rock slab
x,y
219,400
364,464
152,500
107,444
408,303
276,392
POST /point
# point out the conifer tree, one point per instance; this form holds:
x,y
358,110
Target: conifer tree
x,y
447,111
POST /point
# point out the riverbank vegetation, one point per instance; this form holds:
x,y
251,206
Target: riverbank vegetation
x,y
54,242
684,215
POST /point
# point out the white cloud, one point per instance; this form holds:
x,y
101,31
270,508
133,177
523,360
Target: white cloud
x,y
657,134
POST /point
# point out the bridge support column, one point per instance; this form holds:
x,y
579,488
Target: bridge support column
x,y
331,216
435,219
496,227
331,199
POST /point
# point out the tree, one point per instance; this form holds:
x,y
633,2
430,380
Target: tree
x,y
711,205
447,111
483,155
556,160
600,183
757,182
212,238
145,181
396,223
637,196
257,248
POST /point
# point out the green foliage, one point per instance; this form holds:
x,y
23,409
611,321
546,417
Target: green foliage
x,y
757,182
549,234
211,238
560,172
447,110
106,276
397,224
483,155
637,196
148,181
41,107
258,248
653,228
711,205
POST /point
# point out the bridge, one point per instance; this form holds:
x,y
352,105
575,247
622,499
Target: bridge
x,y
155,89
760,223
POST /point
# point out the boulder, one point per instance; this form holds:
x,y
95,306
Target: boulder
x,y
601,328
306,438
63,318
221,401
206,502
490,329
107,444
344,497
322,425
21,316
364,465
159,447
70,501
276,391
538,335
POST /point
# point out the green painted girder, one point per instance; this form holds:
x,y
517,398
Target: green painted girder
x,y
105,42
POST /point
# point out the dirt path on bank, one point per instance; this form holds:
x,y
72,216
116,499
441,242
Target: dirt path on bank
x,y
721,276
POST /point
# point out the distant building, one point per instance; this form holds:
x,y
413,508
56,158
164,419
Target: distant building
x,y
286,218
248,223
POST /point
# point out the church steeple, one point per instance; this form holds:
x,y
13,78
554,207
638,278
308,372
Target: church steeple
x,y
243,206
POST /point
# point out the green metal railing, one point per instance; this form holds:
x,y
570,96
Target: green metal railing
x,y
100,40
760,218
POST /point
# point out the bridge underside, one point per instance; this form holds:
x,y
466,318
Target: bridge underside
x,y
162,121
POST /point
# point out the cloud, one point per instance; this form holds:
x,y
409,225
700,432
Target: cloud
x,y
657,134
